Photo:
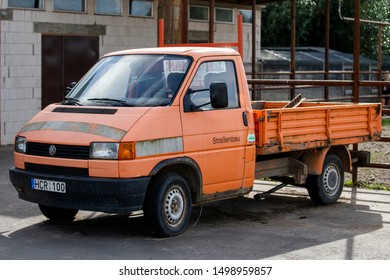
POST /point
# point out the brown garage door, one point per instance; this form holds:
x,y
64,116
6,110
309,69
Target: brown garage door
x,y
65,59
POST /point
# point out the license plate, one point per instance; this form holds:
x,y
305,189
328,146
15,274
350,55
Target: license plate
x,y
47,185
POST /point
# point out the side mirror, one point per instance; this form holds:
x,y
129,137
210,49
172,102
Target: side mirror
x,y
219,95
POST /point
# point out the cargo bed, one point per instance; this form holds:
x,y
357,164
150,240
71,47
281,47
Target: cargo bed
x,y
313,125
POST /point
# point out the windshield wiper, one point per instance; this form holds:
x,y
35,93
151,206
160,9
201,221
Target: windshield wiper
x,y
71,101
118,101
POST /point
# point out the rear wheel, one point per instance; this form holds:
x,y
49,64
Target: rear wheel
x,y
167,206
58,214
326,188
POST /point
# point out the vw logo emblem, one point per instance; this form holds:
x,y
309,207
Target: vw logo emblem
x,y
52,150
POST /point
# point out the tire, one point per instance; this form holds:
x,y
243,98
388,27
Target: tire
x,y
57,214
327,187
167,206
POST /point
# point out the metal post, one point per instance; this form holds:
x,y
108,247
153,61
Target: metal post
x,y
379,78
161,33
254,39
356,51
254,93
184,23
327,36
211,21
293,45
240,43
356,71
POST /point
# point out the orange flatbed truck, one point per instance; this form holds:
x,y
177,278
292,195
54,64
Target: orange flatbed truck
x,y
163,129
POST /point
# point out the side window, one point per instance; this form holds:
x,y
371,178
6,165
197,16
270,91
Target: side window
x,y
208,73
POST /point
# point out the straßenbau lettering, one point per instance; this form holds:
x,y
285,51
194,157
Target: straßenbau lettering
x,y
224,140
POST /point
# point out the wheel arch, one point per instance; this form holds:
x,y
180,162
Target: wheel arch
x,y
344,155
314,159
187,168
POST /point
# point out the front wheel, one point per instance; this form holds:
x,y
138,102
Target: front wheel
x,y
167,206
326,188
58,214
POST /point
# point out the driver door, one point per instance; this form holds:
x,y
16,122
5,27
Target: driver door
x,y
215,138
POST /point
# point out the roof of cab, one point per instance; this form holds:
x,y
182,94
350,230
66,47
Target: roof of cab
x,y
195,52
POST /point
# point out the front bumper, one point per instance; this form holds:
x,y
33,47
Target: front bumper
x,y
84,193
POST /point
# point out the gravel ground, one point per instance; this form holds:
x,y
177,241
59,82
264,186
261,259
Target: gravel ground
x,y
380,153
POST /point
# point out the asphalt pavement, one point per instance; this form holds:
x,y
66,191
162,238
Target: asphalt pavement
x,y
285,225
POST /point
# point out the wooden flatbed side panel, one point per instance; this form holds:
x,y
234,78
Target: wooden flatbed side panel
x,y
320,125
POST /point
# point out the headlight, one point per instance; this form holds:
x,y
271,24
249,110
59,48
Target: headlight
x,y
20,144
121,151
104,150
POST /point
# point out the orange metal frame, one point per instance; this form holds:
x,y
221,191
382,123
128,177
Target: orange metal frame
x,y
238,44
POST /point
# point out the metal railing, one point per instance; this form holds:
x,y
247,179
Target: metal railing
x,y
259,85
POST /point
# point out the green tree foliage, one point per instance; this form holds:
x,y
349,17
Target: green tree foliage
x,y
378,10
310,20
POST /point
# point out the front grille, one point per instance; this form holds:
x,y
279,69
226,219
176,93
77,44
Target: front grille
x,y
57,170
62,151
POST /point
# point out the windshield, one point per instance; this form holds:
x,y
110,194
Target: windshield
x,y
131,80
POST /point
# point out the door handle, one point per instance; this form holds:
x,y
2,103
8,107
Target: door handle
x,y
245,118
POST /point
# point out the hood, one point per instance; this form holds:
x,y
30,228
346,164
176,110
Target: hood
x,y
81,125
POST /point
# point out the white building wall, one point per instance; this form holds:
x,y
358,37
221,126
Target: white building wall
x,y
20,53
20,73
21,58
227,32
